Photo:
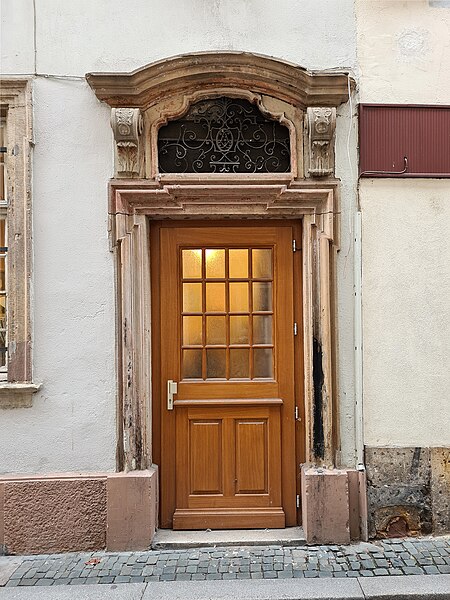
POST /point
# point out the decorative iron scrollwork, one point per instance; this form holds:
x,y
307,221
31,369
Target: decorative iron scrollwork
x,y
224,135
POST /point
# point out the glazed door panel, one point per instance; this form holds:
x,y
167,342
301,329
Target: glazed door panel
x,y
227,314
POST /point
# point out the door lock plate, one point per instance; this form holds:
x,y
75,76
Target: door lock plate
x,y
172,389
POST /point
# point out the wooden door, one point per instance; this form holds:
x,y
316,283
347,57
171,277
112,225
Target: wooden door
x,y
226,338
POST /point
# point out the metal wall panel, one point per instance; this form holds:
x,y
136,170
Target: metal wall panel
x,y
390,133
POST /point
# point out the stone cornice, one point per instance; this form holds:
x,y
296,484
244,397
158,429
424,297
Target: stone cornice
x,y
184,74
242,199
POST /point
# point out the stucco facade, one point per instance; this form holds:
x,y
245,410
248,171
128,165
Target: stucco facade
x,y
405,256
389,377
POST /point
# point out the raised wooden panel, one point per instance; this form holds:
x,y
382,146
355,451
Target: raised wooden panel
x,y
251,457
205,451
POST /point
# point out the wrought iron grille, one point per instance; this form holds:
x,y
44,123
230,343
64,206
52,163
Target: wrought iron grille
x,y
224,135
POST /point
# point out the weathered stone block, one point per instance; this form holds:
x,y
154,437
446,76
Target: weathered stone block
x,y
132,510
440,489
78,512
325,506
398,465
408,490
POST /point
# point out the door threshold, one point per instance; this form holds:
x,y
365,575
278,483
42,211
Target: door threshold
x,y
168,539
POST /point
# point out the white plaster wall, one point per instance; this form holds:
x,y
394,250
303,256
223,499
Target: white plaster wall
x,y
16,37
406,296
82,36
403,51
71,425
346,170
403,55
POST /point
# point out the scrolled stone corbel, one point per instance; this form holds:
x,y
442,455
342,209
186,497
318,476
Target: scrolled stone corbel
x,y
321,124
127,126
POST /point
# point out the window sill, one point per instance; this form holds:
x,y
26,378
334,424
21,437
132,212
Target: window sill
x,y
17,395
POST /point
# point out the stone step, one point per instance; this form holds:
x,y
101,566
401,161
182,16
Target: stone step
x,y
167,539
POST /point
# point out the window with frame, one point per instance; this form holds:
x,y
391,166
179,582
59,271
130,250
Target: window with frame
x,y
16,385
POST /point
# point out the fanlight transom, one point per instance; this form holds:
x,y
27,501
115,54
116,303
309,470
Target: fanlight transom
x,y
224,135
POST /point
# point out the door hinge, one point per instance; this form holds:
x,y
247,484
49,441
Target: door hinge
x,y
298,500
297,414
295,329
294,246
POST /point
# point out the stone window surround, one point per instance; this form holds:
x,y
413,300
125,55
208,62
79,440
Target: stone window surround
x,y
146,99
16,100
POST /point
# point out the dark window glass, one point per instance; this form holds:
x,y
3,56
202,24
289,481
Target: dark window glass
x,y
224,135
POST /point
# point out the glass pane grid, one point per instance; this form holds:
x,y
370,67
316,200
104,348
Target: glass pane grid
x,y
227,313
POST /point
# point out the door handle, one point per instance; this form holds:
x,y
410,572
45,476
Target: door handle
x,y
172,389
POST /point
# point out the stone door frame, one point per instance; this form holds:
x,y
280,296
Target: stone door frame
x,y
146,99
133,204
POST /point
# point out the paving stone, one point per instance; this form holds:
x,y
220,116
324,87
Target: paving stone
x,y
284,575
431,570
410,562
183,577
444,569
413,571
380,571
397,562
388,558
26,582
381,562
44,582
168,570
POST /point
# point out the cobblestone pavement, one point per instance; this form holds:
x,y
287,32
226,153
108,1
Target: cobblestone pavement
x,y
391,557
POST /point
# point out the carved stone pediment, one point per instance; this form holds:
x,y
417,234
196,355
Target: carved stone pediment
x,y
156,94
184,74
